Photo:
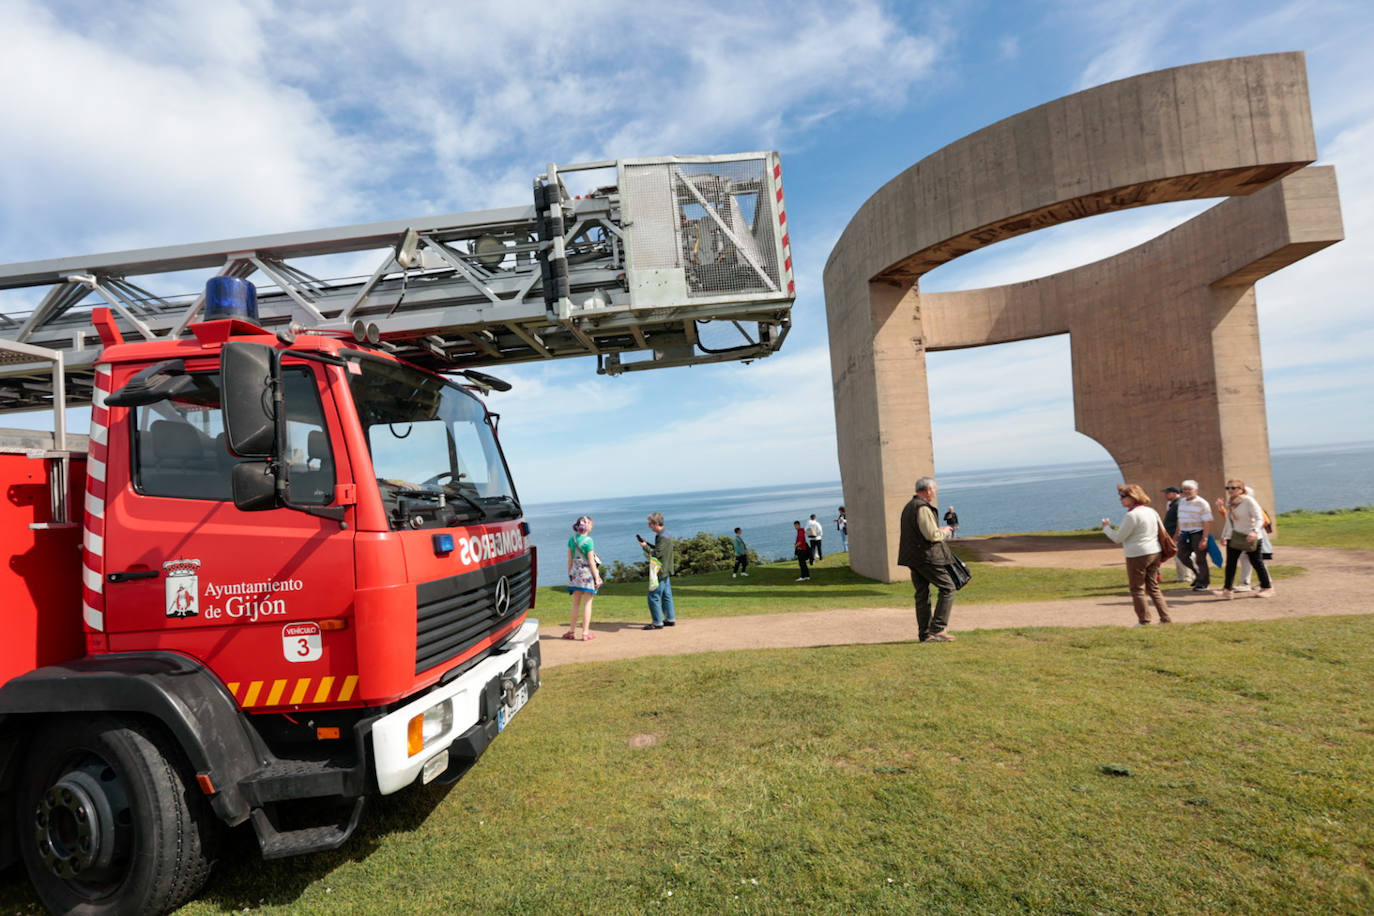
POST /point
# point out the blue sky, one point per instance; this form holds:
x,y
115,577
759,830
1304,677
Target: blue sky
x,y
155,123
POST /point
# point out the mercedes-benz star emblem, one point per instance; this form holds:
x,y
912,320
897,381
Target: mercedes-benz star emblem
x,y
502,596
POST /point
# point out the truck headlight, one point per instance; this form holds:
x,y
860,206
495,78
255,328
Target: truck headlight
x,y
424,729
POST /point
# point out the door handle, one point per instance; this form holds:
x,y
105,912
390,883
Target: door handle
x,y
130,574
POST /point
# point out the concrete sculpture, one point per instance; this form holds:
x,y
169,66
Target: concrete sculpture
x,y
1164,337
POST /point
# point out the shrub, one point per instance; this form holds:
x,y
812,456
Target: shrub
x,y
702,553
628,572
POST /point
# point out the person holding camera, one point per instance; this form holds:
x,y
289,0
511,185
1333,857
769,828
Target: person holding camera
x,y
660,598
922,549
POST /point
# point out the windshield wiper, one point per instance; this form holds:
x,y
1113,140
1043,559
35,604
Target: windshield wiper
x,y
455,491
505,498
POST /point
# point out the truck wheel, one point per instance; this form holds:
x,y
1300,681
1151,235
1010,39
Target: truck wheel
x,y
106,821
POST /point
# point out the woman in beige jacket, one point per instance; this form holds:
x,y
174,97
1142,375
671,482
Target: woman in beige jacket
x,y
1242,534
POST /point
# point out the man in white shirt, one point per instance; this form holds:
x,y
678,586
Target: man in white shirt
x,y
1194,527
814,531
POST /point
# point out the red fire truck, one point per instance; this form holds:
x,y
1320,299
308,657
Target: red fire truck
x,y
300,577
299,574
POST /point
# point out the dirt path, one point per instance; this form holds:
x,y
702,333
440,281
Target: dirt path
x,y
1336,582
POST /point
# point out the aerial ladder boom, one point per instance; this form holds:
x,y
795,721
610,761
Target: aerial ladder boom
x,y
684,260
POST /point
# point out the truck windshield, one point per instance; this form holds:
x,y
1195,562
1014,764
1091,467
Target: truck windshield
x,y
434,453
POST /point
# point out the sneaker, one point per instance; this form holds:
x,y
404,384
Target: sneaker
x,y
802,579
652,626
1142,623
745,575
670,623
1266,593
734,576
1202,588
940,637
1225,593
1242,588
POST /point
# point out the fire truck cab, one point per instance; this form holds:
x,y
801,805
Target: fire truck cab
x,y
302,578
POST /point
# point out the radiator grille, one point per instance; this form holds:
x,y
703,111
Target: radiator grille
x,y
454,614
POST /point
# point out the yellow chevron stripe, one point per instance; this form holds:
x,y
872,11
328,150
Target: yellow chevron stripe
x,y
298,695
299,691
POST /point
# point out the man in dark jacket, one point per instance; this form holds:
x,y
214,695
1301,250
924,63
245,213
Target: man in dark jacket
x,y
923,550
1181,573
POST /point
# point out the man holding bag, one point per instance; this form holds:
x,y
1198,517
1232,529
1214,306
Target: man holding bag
x,y
922,549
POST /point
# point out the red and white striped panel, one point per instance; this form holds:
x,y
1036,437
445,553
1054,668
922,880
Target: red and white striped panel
x,y
93,534
786,233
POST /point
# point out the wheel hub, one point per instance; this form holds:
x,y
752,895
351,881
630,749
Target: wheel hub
x,y
76,824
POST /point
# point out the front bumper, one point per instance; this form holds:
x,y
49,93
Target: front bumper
x,y
476,699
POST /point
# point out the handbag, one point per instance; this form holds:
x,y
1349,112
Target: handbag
x,y
1167,548
959,572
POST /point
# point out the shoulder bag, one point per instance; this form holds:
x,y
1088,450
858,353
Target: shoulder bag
x,y
1167,547
959,572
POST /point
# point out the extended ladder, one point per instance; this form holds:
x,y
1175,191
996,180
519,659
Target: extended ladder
x,y
670,266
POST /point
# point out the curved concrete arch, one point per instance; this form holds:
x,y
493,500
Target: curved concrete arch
x,y
1164,336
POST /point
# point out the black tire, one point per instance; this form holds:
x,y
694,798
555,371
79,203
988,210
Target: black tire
x,y
108,823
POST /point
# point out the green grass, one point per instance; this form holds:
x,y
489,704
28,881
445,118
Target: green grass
x,y
1348,528
770,589
1210,768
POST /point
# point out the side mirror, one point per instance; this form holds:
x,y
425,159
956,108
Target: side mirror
x,y
248,374
254,486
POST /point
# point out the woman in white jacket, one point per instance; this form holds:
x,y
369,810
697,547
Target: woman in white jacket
x,y
1139,538
1243,533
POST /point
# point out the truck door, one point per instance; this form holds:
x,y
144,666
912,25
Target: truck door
x,y
243,592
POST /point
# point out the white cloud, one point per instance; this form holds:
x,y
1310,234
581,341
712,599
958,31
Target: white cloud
x,y
680,429
478,99
111,145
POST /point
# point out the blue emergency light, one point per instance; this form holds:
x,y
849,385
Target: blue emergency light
x,y
443,544
231,297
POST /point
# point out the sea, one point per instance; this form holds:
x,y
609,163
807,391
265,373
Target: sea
x,y
1059,497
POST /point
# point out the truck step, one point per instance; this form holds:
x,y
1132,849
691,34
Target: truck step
x,y
288,780
278,844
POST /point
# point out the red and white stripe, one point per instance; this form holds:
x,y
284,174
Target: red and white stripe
x,y
782,227
93,532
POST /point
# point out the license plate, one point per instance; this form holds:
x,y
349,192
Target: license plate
x,y
507,712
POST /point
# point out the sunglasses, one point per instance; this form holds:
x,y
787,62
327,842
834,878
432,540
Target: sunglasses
x,y
1235,488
